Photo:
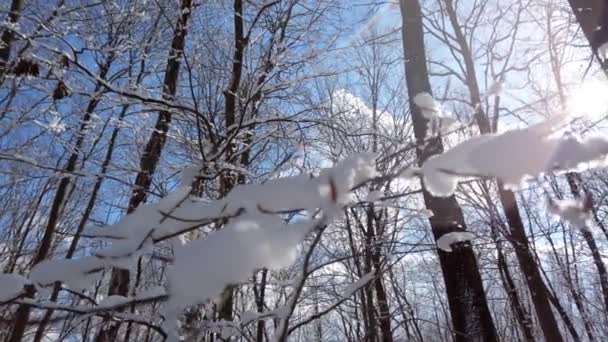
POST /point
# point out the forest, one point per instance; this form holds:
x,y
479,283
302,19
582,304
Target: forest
x,y
304,170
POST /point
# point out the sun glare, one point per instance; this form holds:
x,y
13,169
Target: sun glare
x,y
589,100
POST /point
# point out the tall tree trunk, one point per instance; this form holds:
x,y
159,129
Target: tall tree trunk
x,y
89,208
25,228
592,16
574,179
471,316
384,314
119,282
553,298
358,270
563,314
507,198
575,183
376,222
408,313
372,332
528,266
81,224
522,316
23,312
228,180
260,294
6,40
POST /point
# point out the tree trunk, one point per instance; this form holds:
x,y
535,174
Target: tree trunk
x,y
81,225
592,16
228,180
119,282
372,332
408,313
471,316
507,198
23,312
521,314
528,266
384,317
259,303
6,40
573,182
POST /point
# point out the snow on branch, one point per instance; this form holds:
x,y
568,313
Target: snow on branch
x,y
254,237
446,241
577,212
432,111
11,286
513,157
358,284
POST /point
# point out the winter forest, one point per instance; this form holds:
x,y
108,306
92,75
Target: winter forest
x,y
303,170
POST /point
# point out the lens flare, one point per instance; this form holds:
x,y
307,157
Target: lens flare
x,y
589,100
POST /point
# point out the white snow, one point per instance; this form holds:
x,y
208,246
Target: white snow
x,y
11,285
431,110
603,50
155,291
426,213
512,156
77,274
495,88
446,240
112,301
203,267
55,125
455,160
247,317
254,237
373,196
574,153
576,212
188,174
427,104
359,283
443,124
180,211
410,172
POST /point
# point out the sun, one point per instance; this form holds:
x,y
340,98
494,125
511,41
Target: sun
x,y
589,100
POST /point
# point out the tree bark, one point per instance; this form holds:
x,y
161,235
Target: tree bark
x,y
507,198
384,314
260,295
228,180
23,312
81,225
120,278
371,335
471,316
6,40
521,314
528,266
523,318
